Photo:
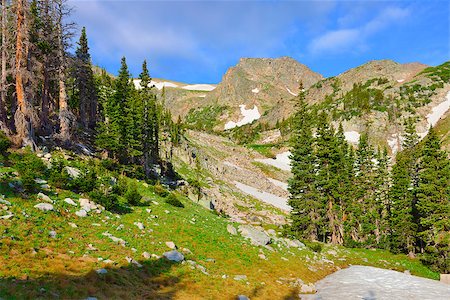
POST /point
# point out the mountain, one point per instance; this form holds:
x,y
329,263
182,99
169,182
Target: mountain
x,y
377,96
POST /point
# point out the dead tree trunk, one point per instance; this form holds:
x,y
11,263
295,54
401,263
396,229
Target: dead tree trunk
x,y
66,118
22,117
3,84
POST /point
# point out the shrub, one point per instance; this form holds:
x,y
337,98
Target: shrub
x,y
84,183
132,195
108,200
29,167
5,143
173,200
160,190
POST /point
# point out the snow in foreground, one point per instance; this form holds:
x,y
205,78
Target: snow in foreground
x,y
199,87
281,161
361,282
249,115
264,196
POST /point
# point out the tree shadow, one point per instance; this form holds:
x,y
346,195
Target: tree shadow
x,y
151,281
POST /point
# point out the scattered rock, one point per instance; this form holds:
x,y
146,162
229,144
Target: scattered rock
x,y
52,234
171,245
6,217
240,278
407,272
70,201
154,202
231,229
155,256
307,288
44,197
148,210
45,187
115,239
295,244
262,256
284,258
91,248
81,213
73,172
101,271
186,250
210,260
139,225
47,156
91,298
44,206
174,256
108,261
146,255
134,262
3,201
257,236
242,297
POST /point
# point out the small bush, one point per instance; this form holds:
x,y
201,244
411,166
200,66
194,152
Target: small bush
x,y
29,167
5,143
160,190
132,195
108,200
316,247
173,200
84,183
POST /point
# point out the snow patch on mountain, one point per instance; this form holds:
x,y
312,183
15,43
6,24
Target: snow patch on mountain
x,y
264,196
438,111
199,87
255,90
281,161
249,115
278,183
290,92
158,84
352,137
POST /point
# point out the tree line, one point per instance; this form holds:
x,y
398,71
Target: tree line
x,y
48,92
359,198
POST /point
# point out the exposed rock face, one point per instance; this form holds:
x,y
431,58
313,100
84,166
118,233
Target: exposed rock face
x,y
256,235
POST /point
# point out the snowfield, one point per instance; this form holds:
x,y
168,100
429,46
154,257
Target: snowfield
x,y
290,92
361,282
199,87
264,196
278,183
281,161
352,137
249,115
158,84
438,111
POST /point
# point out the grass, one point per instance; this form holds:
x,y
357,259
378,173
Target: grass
x,y
268,150
35,266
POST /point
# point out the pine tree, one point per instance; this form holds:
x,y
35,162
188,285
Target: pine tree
x,y
327,180
403,225
306,209
85,84
433,202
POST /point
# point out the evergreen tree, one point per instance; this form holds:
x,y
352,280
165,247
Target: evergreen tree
x,y
433,202
85,84
306,209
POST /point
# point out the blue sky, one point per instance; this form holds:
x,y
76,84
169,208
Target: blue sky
x,y
197,41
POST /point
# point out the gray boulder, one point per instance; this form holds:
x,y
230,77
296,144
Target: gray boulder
x,y
81,213
70,201
44,197
44,206
73,172
174,256
231,229
257,236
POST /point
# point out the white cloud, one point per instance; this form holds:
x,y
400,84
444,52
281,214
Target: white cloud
x,y
354,39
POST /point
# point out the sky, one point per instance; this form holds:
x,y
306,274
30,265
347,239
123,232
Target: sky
x,y
197,41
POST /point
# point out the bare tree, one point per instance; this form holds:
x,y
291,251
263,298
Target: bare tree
x,y
3,82
23,116
66,118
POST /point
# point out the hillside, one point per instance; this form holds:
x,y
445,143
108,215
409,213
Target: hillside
x,y
50,250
